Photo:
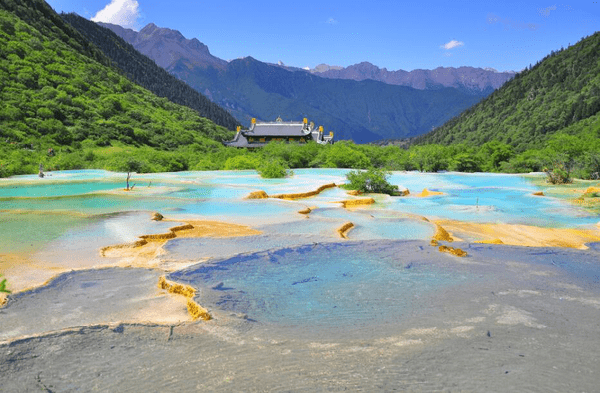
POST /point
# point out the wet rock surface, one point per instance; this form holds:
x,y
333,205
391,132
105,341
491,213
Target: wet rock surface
x,y
527,322
529,327
387,315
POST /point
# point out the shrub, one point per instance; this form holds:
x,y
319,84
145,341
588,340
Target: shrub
x,y
241,162
465,162
89,156
66,161
342,155
371,180
558,174
206,165
3,285
273,169
125,163
429,158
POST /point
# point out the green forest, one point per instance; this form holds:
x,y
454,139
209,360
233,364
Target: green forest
x,y
63,108
66,106
553,96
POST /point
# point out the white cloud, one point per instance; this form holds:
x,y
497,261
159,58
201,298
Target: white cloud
x,y
546,11
511,24
452,44
124,13
331,21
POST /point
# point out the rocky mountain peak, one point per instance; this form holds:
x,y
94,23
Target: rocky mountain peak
x,y
152,30
149,28
168,47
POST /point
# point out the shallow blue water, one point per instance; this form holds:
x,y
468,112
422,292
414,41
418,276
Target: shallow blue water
x,y
334,287
92,204
220,194
485,198
77,174
209,192
373,224
28,233
581,265
79,247
71,236
237,208
45,188
303,180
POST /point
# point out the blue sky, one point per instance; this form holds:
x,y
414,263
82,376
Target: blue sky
x,y
425,34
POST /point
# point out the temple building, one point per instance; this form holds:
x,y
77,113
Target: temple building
x,y
261,133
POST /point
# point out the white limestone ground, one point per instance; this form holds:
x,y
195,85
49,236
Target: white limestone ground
x,y
504,331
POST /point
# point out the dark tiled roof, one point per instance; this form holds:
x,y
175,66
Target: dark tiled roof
x,y
277,129
241,141
238,142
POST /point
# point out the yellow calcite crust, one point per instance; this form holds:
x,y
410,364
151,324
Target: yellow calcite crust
x,y
159,236
490,241
181,228
523,235
150,245
454,251
305,194
591,190
426,193
442,234
196,311
343,230
179,289
257,195
357,202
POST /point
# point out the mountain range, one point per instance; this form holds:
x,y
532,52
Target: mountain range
x,y
352,104
469,79
166,46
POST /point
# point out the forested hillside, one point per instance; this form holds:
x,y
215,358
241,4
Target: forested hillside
x,y
39,15
556,94
144,71
60,102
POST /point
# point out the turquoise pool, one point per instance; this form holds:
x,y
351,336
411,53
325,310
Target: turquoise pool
x,y
329,289
74,196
